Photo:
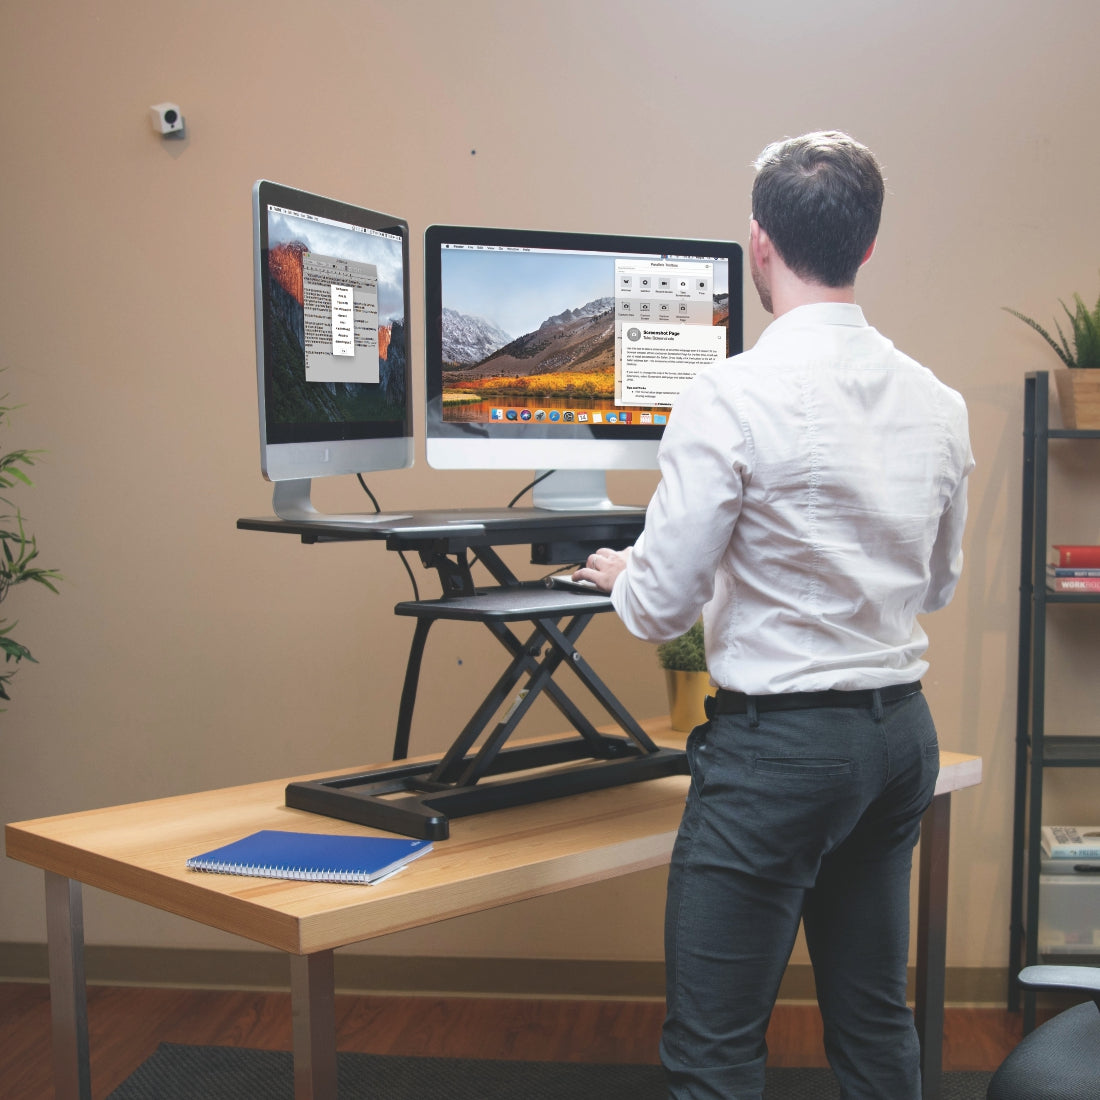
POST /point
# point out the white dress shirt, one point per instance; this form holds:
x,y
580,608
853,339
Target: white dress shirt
x,y
811,504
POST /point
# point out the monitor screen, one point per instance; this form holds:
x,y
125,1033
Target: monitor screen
x,y
332,341
566,351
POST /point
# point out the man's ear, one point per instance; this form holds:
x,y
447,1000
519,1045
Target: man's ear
x,y
759,242
870,251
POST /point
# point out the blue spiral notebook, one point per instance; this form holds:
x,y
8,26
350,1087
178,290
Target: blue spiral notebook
x,y
312,857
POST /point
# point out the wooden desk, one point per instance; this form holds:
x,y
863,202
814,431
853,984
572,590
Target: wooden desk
x,y
139,852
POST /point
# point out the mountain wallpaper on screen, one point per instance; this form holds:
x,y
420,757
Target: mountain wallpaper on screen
x,y
293,400
467,340
570,354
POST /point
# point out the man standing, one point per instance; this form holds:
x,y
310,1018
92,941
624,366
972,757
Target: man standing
x,y
811,505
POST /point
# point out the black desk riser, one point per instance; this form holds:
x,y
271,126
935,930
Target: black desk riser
x,y
420,799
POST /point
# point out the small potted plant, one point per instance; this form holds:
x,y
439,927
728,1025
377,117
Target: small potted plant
x,y
684,660
1079,384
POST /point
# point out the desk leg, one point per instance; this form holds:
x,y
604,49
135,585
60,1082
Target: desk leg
x,y
312,992
932,942
68,993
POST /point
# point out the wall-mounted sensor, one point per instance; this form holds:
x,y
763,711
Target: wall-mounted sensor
x,y
167,119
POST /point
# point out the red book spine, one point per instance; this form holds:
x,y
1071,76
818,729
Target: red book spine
x,y
1081,557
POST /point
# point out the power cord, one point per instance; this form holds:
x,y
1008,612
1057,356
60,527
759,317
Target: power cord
x,y
531,485
400,553
366,490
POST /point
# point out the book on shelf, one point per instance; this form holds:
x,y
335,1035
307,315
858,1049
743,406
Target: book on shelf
x,y
1077,557
1073,584
1080,571
1071,841
312,857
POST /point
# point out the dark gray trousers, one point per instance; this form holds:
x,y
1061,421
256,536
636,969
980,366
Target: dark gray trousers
x,y
793,815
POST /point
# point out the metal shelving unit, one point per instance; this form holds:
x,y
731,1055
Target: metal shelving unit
x,y
1036,750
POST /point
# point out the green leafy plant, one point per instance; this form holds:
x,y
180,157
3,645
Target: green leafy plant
x,y
18,559
1084,328
686,653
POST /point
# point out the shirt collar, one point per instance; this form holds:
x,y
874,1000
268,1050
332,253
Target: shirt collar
x,y
818,313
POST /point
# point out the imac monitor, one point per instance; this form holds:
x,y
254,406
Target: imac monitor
x,y
332,342
566,351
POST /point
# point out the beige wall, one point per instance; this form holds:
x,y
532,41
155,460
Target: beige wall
x,y
183,654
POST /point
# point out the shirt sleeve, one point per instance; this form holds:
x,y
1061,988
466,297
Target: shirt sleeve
x,y
689,521
947,555
945,566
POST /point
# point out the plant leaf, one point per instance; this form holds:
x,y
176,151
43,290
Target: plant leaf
x,y
13,650
1062,354
1087,329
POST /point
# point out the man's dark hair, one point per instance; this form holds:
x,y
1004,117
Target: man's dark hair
x,y
819,199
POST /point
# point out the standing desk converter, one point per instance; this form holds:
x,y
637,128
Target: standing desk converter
x,y
478,772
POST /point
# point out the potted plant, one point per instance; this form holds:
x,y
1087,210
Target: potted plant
x,y
684,660
1079,384
19,554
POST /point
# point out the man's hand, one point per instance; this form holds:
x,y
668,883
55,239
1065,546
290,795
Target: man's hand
x,y
603,567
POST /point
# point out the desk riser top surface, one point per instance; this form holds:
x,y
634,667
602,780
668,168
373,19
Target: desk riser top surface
x,y
139,851
466,527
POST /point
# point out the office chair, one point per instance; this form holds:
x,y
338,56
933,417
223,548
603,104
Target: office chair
x,y
1060,1060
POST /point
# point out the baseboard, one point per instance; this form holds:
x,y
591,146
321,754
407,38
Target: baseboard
x,y
598,978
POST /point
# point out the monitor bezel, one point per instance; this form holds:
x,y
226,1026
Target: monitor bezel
x,y
502,445
303,451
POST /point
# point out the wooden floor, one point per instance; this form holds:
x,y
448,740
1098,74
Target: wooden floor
x,y
125,1026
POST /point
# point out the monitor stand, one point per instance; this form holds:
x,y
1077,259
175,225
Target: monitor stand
x,y
291,501
576,491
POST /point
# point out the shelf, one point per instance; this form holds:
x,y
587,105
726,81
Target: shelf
x,y
1071,597
1033,904
1071,752
1073,433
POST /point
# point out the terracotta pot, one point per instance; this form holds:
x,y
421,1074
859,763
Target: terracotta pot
x,y
1079,397
686,692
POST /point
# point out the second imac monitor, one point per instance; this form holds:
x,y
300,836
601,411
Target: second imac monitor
x,y
566,351
332,342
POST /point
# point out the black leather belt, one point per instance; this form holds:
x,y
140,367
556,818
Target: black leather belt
x,y
734,702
